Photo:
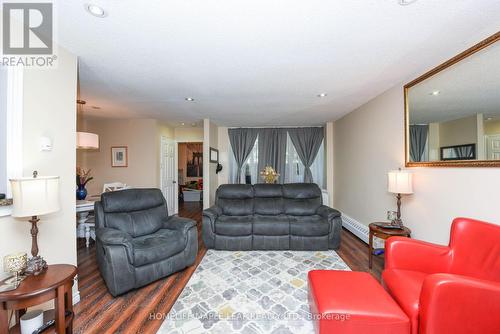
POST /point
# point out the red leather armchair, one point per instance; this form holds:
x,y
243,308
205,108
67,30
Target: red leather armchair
x,y
448,289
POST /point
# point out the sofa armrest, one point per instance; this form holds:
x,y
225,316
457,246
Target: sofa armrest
x,y
459,304
113,237
179,223
210,215
328,213
212,212
416,255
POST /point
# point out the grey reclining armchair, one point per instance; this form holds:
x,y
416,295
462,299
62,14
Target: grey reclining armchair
x,y
137,242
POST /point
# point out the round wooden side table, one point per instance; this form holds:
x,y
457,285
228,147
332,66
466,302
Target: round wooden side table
x,y
54,283
383,233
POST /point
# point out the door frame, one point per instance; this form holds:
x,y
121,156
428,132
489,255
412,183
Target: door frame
x,y
486,137
176,152
176,192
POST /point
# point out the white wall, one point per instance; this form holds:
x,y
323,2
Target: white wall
x,y
188,134
329,161
49,110
142,138
370,141
223,141
210,180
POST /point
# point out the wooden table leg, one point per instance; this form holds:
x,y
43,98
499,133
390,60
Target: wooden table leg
x,y
69,307
60,310
4,321
370,250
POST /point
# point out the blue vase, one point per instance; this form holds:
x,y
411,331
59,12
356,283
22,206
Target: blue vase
x,y
81,193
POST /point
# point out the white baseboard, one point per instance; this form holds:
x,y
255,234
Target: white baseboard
x,y
360,230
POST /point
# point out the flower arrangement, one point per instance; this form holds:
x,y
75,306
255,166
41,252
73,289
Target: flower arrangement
x,y
83,177
269,175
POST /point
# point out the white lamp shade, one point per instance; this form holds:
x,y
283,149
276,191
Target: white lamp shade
x,y
35,196
400,182
87,140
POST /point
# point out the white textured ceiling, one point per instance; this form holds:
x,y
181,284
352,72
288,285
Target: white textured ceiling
x,y
254,63
472,86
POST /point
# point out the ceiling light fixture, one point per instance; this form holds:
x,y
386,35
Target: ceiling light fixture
x,y
95,10
96,107
435,93
193,124
406,2
189,99
182,123
322,95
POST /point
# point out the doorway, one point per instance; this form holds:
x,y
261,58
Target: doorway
x,y
190,177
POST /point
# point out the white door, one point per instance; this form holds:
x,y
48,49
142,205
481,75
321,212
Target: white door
x,y
493,147
168,182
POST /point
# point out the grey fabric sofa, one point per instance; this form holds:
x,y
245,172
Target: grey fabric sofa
x,y
271,217
137,242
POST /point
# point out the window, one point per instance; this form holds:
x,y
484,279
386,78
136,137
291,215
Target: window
x,y
250,164
11,135
3,131
294,169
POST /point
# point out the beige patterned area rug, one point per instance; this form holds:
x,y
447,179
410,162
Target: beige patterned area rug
x,y
249,292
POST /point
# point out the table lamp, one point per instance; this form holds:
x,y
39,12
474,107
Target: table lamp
x,y
33,197
399,182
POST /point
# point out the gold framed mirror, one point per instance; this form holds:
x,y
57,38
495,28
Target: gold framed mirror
x,y
452,112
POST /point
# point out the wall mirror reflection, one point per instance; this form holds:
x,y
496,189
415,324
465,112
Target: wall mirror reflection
x,y
453,112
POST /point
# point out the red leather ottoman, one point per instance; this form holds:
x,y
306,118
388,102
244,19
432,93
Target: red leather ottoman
x,y
348,302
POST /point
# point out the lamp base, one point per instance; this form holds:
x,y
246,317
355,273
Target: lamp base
x,y
36,265
397,223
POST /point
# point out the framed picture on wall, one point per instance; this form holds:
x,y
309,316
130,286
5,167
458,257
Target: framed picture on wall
x,y
214,155
119,156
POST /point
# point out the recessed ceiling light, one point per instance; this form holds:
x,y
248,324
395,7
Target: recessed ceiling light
x,y
193,124
489,118
322,94
436,92
189,99
406,2
182,123
95,10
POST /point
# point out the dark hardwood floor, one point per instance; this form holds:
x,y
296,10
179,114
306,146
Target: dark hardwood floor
x,y
99,312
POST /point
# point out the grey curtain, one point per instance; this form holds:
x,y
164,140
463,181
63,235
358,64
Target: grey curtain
x,y
272,150
307,142
242,142
465,152
418,138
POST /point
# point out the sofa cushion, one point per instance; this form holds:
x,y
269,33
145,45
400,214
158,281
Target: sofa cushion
x,y
301,199
271,225
137,223
157,246
268,199
129,200
234,225
405,286
137,212
235,199
314,225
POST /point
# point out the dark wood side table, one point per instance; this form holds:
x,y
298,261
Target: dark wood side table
x,y
54,283
383,233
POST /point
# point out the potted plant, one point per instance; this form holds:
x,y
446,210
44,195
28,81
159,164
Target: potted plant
x,y
82,178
